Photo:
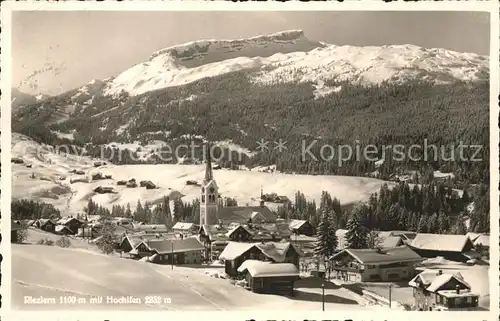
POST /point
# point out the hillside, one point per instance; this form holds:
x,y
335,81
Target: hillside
x,y
281,86
52,181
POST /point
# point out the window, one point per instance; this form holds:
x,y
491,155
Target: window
x,y
203,198
469,300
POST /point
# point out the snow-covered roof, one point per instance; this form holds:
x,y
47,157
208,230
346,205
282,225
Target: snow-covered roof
x,y
440,242
183,226
273,250
296,224
479,238
174,246
250,263
60,228
374,256
433,280
235,249
263,269
391,242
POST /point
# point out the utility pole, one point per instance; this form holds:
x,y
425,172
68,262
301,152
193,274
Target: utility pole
x,y
390,295
172,255
323,295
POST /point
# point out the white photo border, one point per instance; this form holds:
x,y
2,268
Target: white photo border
x,y
8,7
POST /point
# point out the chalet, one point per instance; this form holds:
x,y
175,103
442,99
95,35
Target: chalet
x,y
266,277
245,214
15,227
71,223
372,265
434,290
46,225
283,200
87,232
390,242
301,227
457,248
236,253
185,228
105,190
406,236
239,233
479,239
130,241
150,228
181,251
63,230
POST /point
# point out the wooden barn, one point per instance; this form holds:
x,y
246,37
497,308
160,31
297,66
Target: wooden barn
x,y
458,248
236,253
301,227
267,277
179,251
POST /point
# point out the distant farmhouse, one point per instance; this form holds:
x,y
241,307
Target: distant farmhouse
x,y
443,292
457,248
236,253
372,265
174,251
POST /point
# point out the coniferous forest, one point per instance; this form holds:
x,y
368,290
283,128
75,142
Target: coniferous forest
x,y
231,107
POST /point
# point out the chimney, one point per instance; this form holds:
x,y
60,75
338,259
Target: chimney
x,y
458,289
440,272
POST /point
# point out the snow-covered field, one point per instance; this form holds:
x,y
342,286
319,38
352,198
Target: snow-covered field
x,y
52,182
50,271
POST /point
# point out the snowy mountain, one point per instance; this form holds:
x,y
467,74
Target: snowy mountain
x,y
269,87
290,56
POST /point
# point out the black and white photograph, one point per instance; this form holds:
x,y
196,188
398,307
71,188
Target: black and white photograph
x,y
251,160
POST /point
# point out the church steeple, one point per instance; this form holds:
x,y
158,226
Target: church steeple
x,y
208,169
209,194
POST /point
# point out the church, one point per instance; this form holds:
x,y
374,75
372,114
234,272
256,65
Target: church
x,y
212,214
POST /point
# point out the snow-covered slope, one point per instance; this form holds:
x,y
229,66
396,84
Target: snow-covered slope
x,y
52,181
290,56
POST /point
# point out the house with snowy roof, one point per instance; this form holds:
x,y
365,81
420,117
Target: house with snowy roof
x,y
176,251
236,253
479,239
268,277
373,265
185,228
457,248
45,225
435,290
301,227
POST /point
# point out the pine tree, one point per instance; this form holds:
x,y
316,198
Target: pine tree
x,y
106,242
459,227
327,239
128,211
432,224
422,224
356,235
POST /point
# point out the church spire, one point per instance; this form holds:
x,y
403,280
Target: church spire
x,y
208,170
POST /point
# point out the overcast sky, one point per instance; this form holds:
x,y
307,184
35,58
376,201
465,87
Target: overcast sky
x,y
93,44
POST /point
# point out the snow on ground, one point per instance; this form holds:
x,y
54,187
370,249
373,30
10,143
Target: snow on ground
x,y
244,186
85,274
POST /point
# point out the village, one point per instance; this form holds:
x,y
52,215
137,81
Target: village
x,y
250,247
